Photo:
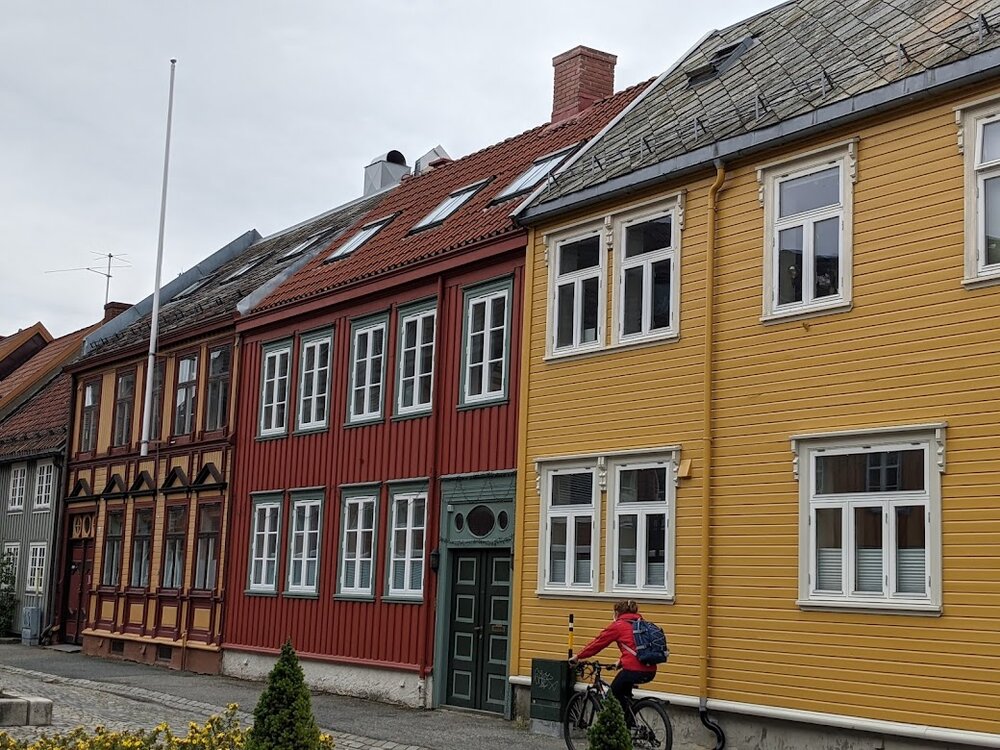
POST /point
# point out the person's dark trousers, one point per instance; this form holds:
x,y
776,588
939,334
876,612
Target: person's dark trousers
x,y
621,688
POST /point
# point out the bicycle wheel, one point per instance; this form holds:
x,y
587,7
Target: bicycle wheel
x,y
580,714
652,726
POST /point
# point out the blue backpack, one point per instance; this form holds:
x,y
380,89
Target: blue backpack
x,y
650,642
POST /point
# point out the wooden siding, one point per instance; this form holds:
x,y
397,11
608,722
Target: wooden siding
x,y
916,347
30,526
450,440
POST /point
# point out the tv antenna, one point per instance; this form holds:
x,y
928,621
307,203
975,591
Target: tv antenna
x,y
101,271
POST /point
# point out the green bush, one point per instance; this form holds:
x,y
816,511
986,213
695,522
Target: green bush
x,y
283,718
8,599
609,731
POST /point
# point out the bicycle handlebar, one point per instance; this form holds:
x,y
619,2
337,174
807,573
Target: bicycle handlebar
x,y
580,665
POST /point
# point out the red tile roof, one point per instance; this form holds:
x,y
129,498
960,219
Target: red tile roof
x,y
52,357
478,219
40,425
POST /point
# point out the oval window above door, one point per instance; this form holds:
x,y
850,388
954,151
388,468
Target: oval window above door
x,y
480,520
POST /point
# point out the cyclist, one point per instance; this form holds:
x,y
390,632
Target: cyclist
x,y
633,672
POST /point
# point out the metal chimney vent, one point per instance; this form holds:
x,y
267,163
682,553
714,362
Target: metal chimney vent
x,y
385,171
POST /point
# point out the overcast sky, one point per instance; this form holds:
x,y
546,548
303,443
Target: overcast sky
x,y
278,107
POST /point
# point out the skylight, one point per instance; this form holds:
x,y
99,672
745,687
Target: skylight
x,y
541,168
363,235
308,242
192,288
448,206
239,272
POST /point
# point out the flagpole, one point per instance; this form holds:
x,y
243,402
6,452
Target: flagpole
x,y
147,405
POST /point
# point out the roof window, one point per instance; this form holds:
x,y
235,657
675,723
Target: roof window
x,y
242,270
192,288
363,235
721,60
538,170
448,206
311,241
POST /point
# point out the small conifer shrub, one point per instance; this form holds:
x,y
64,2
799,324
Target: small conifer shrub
x,y
283,718
609,731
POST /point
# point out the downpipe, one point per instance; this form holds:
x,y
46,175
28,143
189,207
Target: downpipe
x,y
710,725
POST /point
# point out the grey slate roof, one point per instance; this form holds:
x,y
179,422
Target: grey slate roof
x,y
803,56
219,299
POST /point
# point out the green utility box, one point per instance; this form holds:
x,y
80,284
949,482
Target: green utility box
x,y
551,686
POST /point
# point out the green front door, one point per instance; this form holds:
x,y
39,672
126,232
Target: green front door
x,y
479,632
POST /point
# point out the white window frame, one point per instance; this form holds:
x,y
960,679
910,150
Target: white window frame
x,y
269,530
309,416
17,489
45,472
275,353
446,208
554,246
358,330
770,176
616,509
359,238
646,261
304,503
407,556
14,549
351,588
417,318
540,168
806,449
971,122
35,582
570,513
489,326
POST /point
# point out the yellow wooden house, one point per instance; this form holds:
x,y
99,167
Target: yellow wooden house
x,y
761,390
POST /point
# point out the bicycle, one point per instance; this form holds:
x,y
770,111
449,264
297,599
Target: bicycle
x,y
651,730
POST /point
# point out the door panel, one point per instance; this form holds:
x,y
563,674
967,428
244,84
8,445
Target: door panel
x,y
80,563
479,630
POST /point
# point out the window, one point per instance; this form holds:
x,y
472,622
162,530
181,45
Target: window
x,y
124,400
241,271
187,395
367,371
356,561
448,206
264,546
541,168
44,474
647,277
640,519
173,547
274,391
12,552
577,302
142,541
192,288
571,507
406,554
363,235
114,536
314,383
416,361
15,495
156,418
207,560
870,519
36,567
217,414
807,214
486,348
631,495
88,416
981,140
303,563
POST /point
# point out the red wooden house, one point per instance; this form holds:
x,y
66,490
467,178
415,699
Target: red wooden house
x,y
374,483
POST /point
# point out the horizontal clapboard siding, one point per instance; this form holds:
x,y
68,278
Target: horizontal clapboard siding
x,y
916,347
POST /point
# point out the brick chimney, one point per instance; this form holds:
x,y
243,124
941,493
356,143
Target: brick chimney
x,y
582,77
113,309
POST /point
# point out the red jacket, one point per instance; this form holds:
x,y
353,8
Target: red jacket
x,y
619,632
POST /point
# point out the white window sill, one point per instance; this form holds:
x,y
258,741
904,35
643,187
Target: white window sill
x,y
866,607
986,278
809,311
605,596
575,351
645,341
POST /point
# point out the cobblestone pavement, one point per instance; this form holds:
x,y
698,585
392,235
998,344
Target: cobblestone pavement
x,y
80,702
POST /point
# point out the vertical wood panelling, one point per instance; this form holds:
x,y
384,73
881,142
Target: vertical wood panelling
x,y
472,440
